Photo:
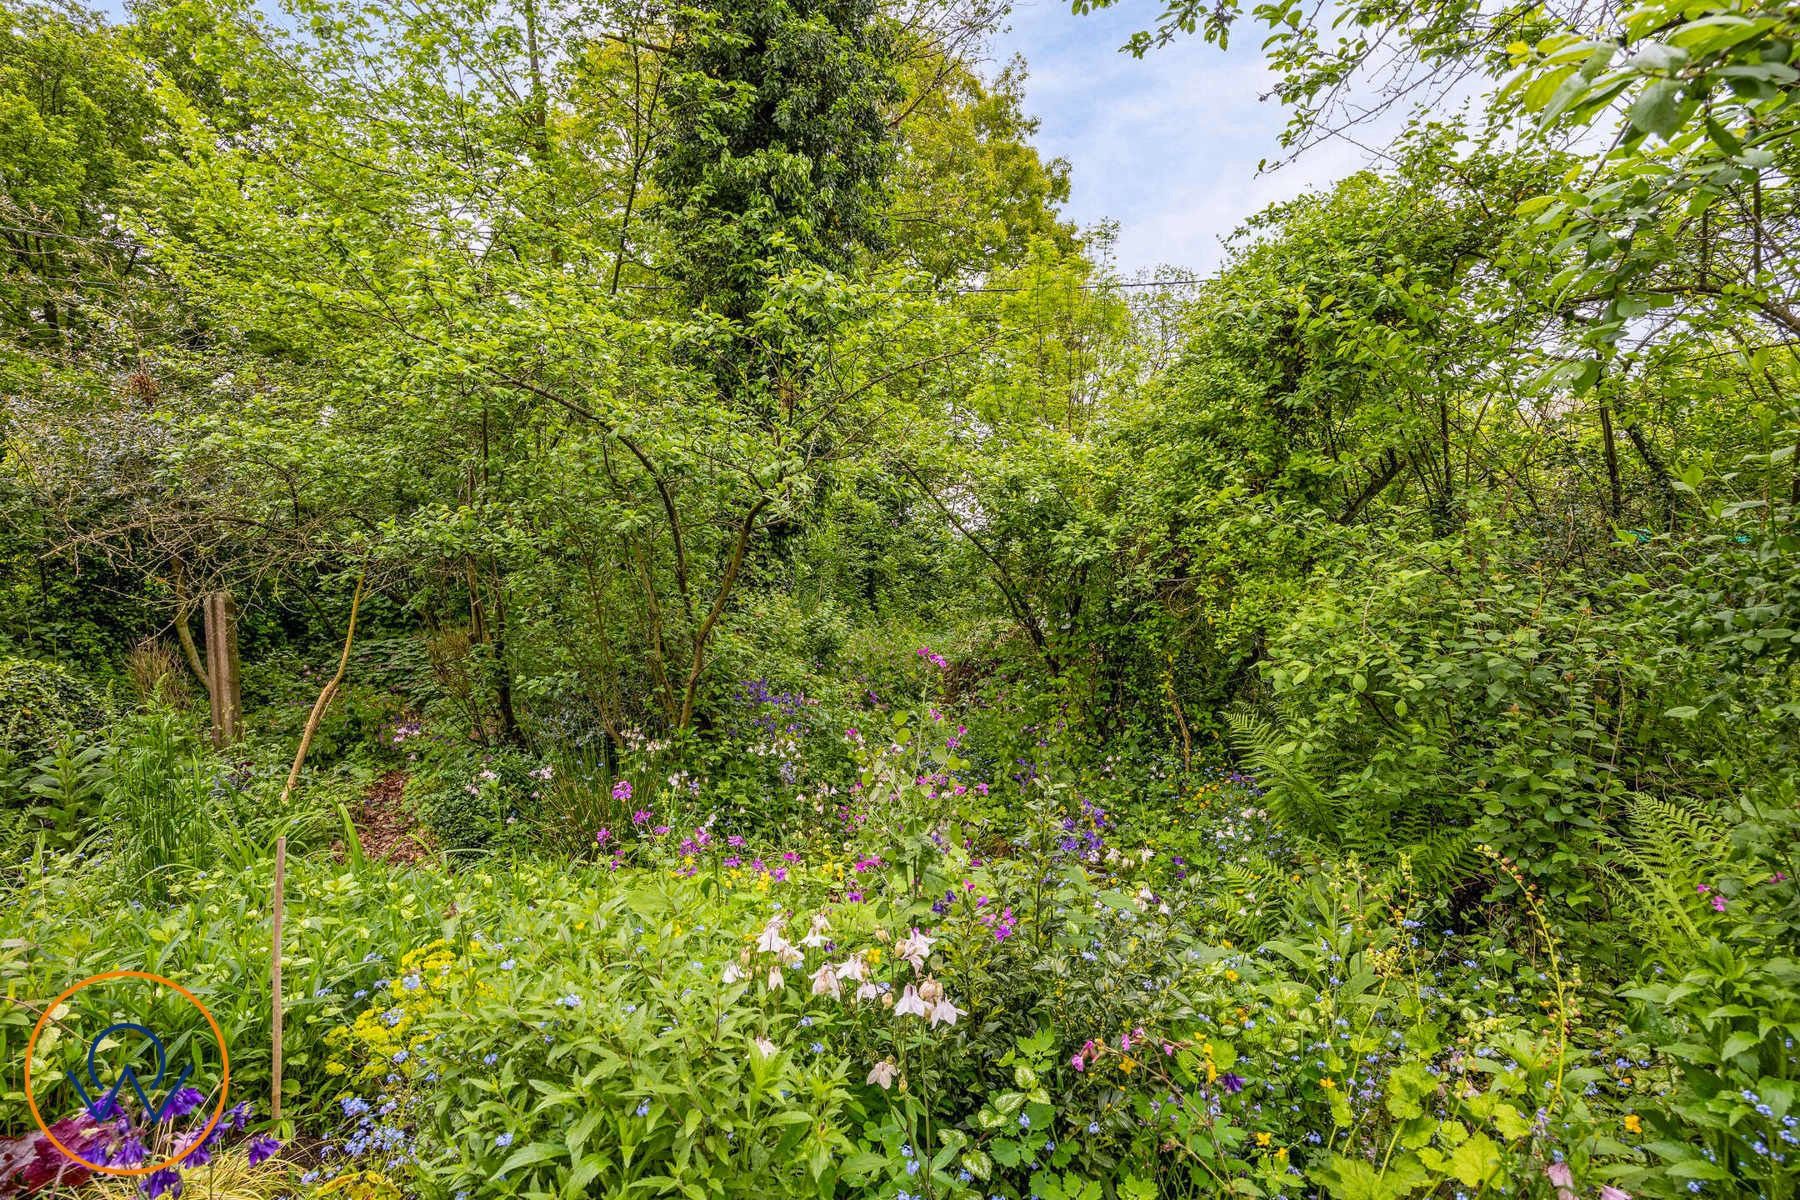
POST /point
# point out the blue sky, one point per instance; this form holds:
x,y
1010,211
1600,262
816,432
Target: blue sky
x,y
1166,145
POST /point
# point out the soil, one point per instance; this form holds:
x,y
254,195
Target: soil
x,y
385,828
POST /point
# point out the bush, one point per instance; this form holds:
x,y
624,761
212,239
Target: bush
x,y
40,701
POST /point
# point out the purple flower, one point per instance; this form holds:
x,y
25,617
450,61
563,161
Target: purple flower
x,y
622,790
164,1182
184,1102
262,1148
1232,1082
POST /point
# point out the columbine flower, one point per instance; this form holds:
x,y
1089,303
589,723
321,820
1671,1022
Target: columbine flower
x,y
262,1148
944,1013
1231,1082
882,1073
733,973
770,940
868,991
825,982
914,949
775,979
815,936
852,968
910,1003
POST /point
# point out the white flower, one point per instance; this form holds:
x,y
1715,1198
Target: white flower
x,y
824,983
910,1003
867,991
775,980
853,968
790,957
816,935
944,1013
733,973
883,1073
771,941
765,1047
914,949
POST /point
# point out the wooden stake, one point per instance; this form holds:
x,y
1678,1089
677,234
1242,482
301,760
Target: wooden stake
x,y
275,980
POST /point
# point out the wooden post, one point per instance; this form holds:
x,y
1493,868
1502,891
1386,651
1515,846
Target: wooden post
x,y
275,981
222,671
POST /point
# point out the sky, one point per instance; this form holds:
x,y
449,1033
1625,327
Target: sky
x,y
1166,145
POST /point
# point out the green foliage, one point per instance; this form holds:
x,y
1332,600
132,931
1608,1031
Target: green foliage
x,y
42,701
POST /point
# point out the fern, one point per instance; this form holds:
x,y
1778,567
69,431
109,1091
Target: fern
x,y
1667,847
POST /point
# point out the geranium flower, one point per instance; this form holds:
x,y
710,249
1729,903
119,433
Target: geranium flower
x,y
882,1074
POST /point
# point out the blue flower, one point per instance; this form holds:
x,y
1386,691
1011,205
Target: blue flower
x,y
1093,1127
1024,1120
643,1109
508,965
488,1060
503,1141
570,1001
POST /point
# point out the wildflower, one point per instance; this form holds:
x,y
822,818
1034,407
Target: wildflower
x,y
825,982
775,979
770,940
1231,1082
1609,1192
764,1047
1633,1123
1718,903
622,790
944,1013
600,836
868,991
570,1001
640,817
852,968
1078,1062
1263,1140
643,1109
508,965
262,1148
166,1181
734,973
914,949
503,1141
815,936
910,1003
488,1060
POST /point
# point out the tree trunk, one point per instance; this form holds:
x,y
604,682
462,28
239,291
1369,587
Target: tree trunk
x,y
222,677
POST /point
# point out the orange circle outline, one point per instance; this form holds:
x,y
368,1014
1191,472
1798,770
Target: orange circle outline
x,y
224,1084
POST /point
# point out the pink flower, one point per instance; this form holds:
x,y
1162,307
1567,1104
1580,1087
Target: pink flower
x,y
1609,1192
1078,1062
640,816
622,790
1701,889
601,836
1718,903
1559,1174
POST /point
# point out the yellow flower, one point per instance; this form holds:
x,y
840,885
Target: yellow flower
x,y
1328,1083
1633,1124
1230,975
1281,1153
1262,1139
1127,1064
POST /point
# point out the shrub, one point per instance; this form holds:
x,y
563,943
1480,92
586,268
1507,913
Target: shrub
x,y
39,701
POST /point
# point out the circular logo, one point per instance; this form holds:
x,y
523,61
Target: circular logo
x,y
218,1036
